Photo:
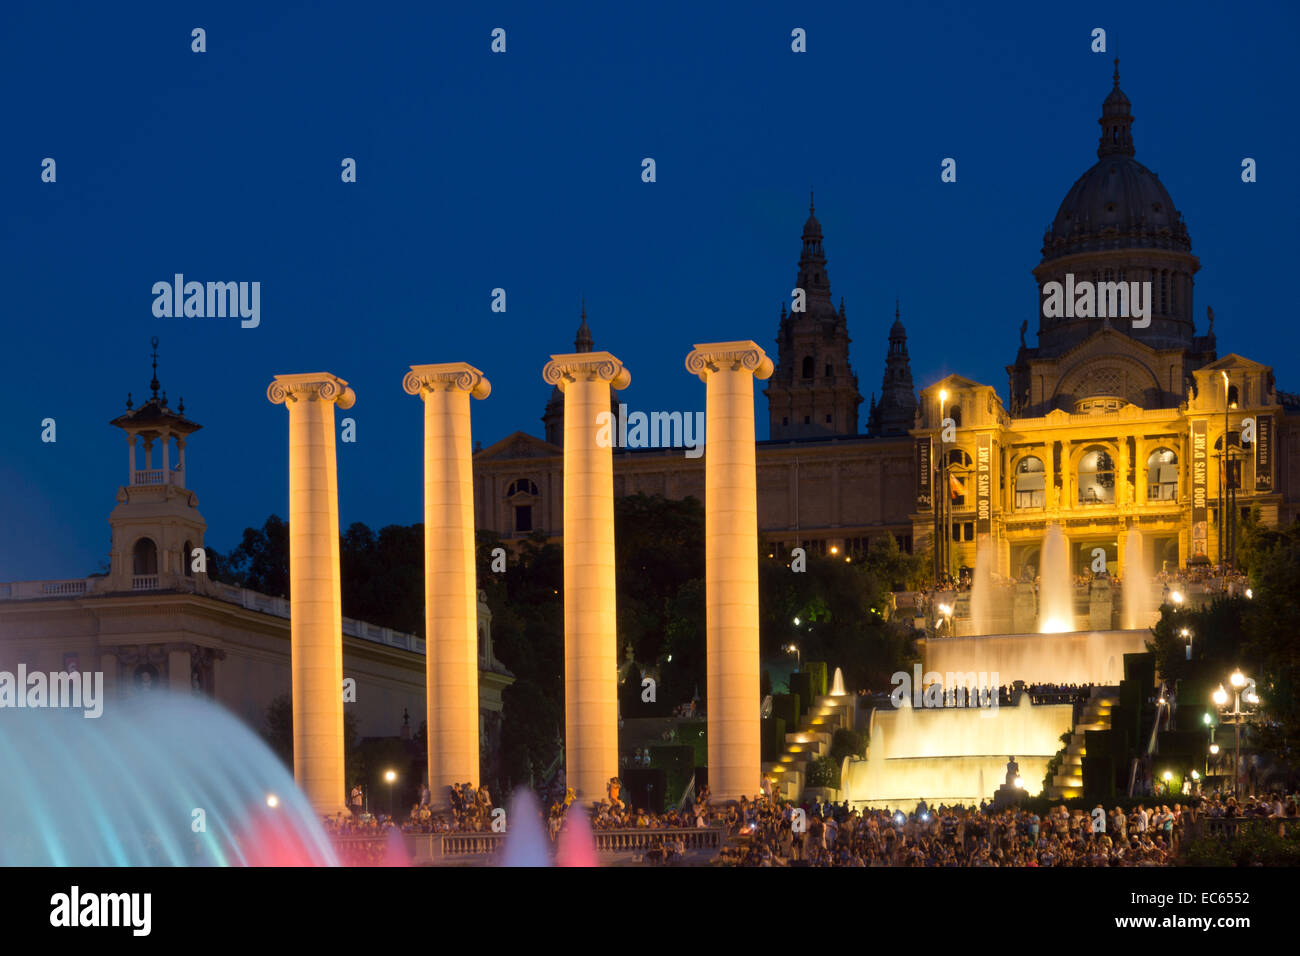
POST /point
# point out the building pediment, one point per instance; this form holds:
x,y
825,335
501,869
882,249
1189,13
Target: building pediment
x,y
1234,361
518,445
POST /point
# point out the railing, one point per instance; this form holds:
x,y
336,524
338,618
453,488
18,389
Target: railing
x,y
695,838
471,844
19,590
144,582
64,587
607,841
148,477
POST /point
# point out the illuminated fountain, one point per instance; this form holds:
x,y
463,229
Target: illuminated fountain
x,y
1055,592
1138,609
132,787
837,685
526,842
981,592
577,844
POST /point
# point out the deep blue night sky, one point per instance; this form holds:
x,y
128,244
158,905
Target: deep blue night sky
x,y
522,171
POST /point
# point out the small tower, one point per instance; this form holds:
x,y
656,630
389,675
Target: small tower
x,y
553,418
156,524
813,392
896,412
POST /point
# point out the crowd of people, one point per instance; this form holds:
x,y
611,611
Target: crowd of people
x,y
768,831
772,834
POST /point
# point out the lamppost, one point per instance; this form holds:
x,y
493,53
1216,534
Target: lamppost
x,y
794,649
1187,636
1243,688
390,776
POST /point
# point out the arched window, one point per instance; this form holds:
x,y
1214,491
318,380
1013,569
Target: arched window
x,y
144,557
1031,483
828,369
808,366
521,486
1162,475
187,559
1096,478
1232,396
955,414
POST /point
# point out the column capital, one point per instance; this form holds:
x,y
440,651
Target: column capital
x,y
586,366
311,386
729,357
447,377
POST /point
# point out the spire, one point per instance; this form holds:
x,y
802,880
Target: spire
x,y
583,342
895,412
812,207
154,383
1116,122
812,267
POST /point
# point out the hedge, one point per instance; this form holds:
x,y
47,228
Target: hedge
x,y
773,737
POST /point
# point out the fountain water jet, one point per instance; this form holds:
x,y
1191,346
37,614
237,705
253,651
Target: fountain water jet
x,y
123,790
981,592
1138,608
837,685
577,843
1055,592
526,843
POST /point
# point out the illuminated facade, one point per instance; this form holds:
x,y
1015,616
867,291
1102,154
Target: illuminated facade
x,y
1114,424
1105,426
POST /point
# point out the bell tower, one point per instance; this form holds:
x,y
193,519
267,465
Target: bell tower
x,y
813,392
156,524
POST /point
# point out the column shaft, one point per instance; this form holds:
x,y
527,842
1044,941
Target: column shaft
x,y
316,611
450,591
590,615
731,564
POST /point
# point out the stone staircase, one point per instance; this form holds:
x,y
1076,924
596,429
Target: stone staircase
x,y
1068,781
811,739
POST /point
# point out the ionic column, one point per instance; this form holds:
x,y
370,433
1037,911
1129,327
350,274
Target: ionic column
x,y
590,624
450,593
316,607
728,370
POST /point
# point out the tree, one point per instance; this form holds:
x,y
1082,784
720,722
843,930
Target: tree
x,y
659,547
260,562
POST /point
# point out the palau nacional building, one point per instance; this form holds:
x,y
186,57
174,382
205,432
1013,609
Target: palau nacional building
x,y
1105,427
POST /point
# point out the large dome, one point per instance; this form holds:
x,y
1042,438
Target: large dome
x,y
1118,203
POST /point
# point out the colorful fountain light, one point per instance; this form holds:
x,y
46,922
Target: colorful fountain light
x,y
165,780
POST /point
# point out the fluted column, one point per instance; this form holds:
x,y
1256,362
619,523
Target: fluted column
x,y
315,604
590,623
728,370
450,592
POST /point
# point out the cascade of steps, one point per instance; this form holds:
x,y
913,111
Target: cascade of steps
x,y
1068,781
811,739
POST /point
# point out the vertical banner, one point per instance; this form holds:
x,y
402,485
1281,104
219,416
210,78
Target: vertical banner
x,y
923,474
1200,518
983,485
1264,453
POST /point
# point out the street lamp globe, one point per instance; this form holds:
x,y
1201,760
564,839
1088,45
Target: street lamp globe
x,y
1220,696
1238,679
